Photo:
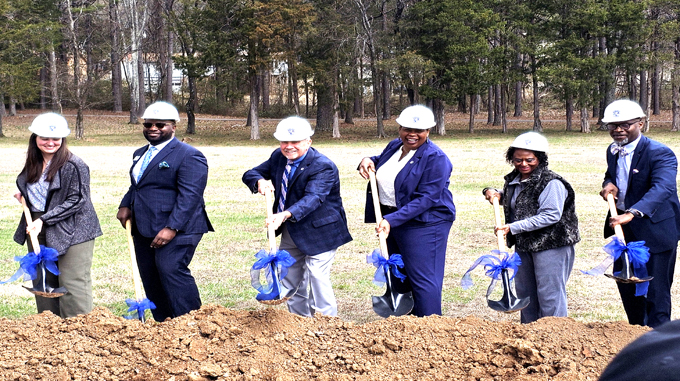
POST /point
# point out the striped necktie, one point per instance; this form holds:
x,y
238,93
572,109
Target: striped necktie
x,y
284,187
145,163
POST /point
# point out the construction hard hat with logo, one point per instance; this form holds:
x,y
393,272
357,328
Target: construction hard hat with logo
x,y
161,111
532,141
293,129
417,116
50,125
621,111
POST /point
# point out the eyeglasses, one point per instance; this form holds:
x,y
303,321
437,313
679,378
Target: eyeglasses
x,y
158,125
623,126
530,160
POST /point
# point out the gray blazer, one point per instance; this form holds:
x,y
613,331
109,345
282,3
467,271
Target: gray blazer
x,y
70,217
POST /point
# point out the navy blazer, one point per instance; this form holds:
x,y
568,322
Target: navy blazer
x,y
652,190
319,223
170,192
421,187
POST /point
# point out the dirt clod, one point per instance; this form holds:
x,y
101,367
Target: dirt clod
x,y
216,343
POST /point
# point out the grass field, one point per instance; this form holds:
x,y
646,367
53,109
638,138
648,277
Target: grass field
x,y
223,259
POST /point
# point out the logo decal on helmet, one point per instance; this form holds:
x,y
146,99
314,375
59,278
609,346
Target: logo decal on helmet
x,y
291,131
616,113
52,127
416,119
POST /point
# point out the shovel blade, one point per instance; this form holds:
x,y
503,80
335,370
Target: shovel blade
x,y
509,302
632,279
47,292
392,303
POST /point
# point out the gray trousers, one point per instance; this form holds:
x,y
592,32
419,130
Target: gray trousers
x,y
75,275
311,275
543,278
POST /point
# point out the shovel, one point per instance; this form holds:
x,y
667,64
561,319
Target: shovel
x,y
626,275
509,302
278,293
140,304
43,289
391,303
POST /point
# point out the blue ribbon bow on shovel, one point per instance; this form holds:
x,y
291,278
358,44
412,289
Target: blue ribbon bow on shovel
x,y
382,265
633,255
28,264
278,262
494,266
137,309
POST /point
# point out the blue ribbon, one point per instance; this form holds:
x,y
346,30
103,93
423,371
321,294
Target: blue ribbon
x,y
383,265
494,267
28,264
138,308
280,260
638,255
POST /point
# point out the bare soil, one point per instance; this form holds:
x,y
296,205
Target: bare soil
x,y
216,343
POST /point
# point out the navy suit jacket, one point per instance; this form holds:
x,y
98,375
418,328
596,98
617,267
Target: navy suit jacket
x,y
652,190
421,187
319,223
170,194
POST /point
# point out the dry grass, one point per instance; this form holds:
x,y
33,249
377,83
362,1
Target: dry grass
x,y
222,261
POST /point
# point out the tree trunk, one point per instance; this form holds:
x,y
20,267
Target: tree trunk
x,y
54,84
585,122
644,90
116,75
336,122
656,90
43,86
569,106
253,112
675,81
518,98
325,112
504,107
489,105
497,105
473,104
295,95
191,106
438,110
142,92
534,81
264,85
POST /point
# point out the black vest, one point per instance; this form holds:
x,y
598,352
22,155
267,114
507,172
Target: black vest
x,y
563,233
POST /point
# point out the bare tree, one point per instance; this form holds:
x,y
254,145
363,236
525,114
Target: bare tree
x,y
133,16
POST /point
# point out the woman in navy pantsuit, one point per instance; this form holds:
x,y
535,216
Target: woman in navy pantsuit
x,y
417,206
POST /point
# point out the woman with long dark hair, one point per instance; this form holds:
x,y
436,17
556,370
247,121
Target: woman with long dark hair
x,y
56,186
541,222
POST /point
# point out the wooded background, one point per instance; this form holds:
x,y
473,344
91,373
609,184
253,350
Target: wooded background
x,y
335,60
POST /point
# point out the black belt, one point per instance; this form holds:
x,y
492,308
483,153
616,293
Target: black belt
x,y
385,210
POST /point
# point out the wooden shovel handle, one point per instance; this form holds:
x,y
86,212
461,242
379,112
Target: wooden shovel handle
x,y
497,214
271,232
612,210
33,236
136,279
378,215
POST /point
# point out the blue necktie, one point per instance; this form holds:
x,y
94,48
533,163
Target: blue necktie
x,y
145,163
284,187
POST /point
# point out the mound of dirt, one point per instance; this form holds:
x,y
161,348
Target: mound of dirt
x,y
215,343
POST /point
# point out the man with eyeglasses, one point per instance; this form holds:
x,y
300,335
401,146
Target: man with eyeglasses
x,y
641,175
166,208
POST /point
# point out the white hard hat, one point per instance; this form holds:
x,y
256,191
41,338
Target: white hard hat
x,y
532,141
50,125
293,129
417,116
161,111
622,110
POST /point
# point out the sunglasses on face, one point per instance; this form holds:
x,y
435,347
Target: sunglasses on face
x,y
623,126
158,125
519,161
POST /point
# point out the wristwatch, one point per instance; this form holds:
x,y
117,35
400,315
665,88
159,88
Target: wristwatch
x,y
636,213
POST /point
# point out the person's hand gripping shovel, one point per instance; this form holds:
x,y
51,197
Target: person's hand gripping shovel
x,y
392,303
634,256
43,258
499,266
136,307
274,263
